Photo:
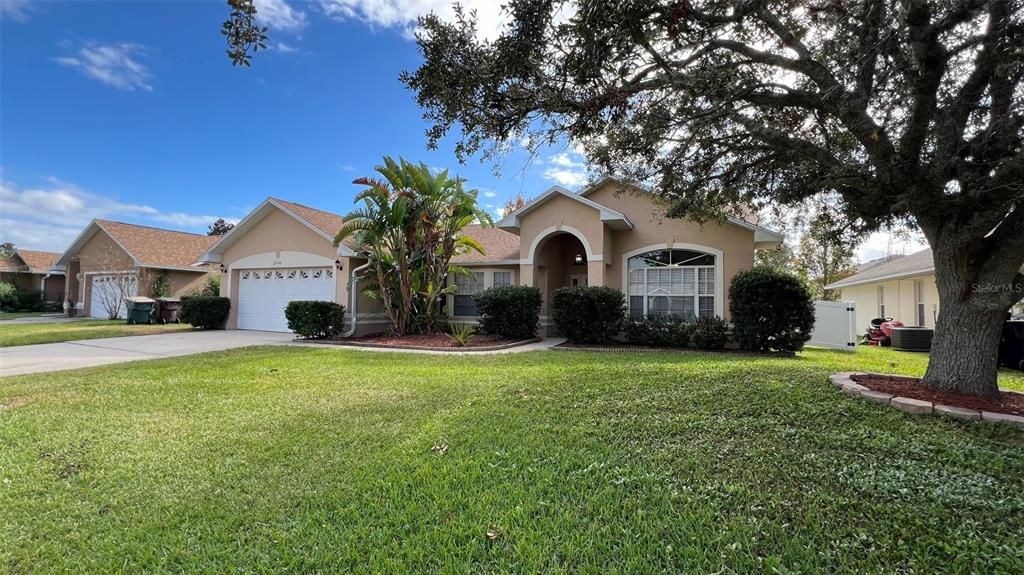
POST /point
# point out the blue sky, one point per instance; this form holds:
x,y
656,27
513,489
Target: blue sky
x,y
132,111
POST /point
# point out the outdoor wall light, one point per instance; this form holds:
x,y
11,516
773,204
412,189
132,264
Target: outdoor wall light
x,y
579,259
337,264
223,269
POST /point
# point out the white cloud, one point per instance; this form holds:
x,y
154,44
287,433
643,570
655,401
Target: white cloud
x,y
113,64
283,48
17,10
568,178
279,15
568,168
50,216
402,14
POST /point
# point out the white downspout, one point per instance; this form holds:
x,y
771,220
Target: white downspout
x,y
353,294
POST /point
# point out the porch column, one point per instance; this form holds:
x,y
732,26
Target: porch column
x,y
595,273
526,275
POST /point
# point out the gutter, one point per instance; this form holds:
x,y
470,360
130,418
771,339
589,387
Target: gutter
x,y
353,294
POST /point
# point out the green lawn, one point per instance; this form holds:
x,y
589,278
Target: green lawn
x,y
32,333
19,314
272,460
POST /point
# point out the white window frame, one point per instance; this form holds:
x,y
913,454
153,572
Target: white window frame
x,y
919,301
719,271
881,300
487,284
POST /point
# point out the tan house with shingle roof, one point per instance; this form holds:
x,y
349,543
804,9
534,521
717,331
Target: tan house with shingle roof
x,y
111,253
611,233
30,270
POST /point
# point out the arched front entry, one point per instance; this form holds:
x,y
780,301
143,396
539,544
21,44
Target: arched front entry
x,y
561,257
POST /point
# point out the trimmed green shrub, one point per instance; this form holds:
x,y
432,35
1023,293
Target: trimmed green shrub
x,y
315,319
771,311
29,300
710,333
660,331
588,314
8,296
509,312
207,312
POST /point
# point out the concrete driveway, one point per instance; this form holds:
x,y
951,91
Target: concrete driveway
x,y
92,352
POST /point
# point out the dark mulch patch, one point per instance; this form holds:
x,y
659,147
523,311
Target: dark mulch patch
x,y
435,340
1006,402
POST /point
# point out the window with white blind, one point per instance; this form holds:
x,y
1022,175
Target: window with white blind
x,y
672,282
881,301
461,302
465,287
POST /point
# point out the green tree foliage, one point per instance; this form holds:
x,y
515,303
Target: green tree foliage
x,y
219,227
408,229
244,35
905,111
8,249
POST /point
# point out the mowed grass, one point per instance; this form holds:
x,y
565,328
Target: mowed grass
x,y
272,460
20,314
33,333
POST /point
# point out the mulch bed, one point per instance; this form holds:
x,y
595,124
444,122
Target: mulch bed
x,y
1006,402
428,340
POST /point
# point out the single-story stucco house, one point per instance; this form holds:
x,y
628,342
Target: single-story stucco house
x,y
30,270
108,254
611,234
900,287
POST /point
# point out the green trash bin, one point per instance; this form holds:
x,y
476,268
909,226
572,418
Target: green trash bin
x,y
140,310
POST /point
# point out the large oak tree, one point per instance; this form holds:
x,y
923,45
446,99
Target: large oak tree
x,y
906,110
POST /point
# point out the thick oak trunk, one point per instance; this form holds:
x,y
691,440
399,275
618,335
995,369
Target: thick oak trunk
x,y
976,289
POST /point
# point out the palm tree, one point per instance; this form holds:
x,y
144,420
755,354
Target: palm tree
x,y
409,229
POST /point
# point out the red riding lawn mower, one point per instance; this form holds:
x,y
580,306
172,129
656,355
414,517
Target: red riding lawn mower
x,y
880,331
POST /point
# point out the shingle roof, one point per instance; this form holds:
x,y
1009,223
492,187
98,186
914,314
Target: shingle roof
x,y
498,245
327,222
10,264
157,247
914,264
38,261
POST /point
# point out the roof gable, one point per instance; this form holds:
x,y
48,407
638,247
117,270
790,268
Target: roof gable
x,y
762,235
323,223
613,219
145,245
36,260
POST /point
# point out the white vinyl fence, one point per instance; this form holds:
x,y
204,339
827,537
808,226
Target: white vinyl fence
x,y
835,325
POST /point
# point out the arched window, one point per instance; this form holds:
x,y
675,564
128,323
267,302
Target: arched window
x,y
672,282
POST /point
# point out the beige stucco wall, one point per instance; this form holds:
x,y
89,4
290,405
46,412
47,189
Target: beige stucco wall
x,y
900,301
277,232
651,231
100,254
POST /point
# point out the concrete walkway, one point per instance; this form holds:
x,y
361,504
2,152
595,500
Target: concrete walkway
x,y
92,352
67,355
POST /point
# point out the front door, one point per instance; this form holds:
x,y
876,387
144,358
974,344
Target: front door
x,y
577,280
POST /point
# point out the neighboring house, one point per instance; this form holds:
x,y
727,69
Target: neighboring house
x,y
609,234
29,270
902,288
113,255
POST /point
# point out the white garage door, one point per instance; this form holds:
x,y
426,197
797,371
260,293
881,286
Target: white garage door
x,y
110,290
263,294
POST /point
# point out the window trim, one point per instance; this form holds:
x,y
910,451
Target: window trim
x,y
487,284
880,295
922,316
719,268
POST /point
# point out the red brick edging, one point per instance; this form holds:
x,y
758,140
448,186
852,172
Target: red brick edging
x,y
842,381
